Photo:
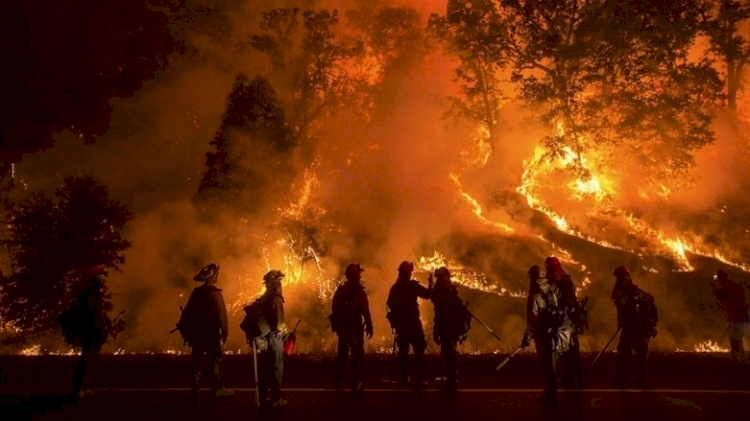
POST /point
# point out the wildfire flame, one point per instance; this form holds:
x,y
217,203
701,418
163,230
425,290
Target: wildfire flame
x,y
597,187
32,350
463,276
707,346
538,165
477,208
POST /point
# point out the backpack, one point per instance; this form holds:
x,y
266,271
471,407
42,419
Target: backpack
x,y
552,315
342,309
461,324
399,300
187,326
579,315
555,321
456,317
190,318
254,323
70,321
646,314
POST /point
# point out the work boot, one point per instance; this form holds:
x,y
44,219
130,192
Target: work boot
x,y
357,388
420,385
450,388
566,383
619,384
86,392
279,403
223,392
549,402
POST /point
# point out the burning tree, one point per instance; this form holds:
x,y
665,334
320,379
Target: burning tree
x,y
308,60
609,75
616,75
251,147
726,24
54,243
467,32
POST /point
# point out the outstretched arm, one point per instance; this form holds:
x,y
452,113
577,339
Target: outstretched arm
x,y
422,292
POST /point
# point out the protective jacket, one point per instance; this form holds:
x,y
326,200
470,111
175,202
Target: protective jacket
x,y
547,321
350,309
636,310
732,301
452,320
204,319
402,302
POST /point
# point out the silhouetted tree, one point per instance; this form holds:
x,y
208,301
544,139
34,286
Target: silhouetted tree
x,y
611,75
54,244
251,148
307,62
726,24
64,61
395,45
467,32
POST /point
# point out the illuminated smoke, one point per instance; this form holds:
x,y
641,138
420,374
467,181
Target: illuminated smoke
x,y
401,183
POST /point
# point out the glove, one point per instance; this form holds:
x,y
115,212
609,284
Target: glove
x,y
525,341
436,338
368,332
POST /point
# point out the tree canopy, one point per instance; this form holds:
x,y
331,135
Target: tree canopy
x,y
65,60
54,244
250,149
612,75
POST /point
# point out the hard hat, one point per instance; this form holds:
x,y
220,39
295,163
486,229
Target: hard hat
x,y
442,272
273,275
354,269
406,267
208,273
621,271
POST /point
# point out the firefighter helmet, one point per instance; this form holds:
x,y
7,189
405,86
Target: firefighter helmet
x,y
208,273
406,267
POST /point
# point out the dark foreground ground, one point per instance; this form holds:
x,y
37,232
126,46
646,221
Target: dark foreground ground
x,y
154,387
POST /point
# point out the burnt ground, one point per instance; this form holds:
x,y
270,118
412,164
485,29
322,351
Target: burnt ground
x,y
154,387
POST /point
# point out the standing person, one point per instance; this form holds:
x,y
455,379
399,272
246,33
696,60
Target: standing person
x,y
404,318
203,325
452,323
571,357
350,319
637,317
271,342
733,302
87,325
549,326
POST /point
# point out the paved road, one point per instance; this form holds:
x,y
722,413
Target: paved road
x,y
147,388
142,405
